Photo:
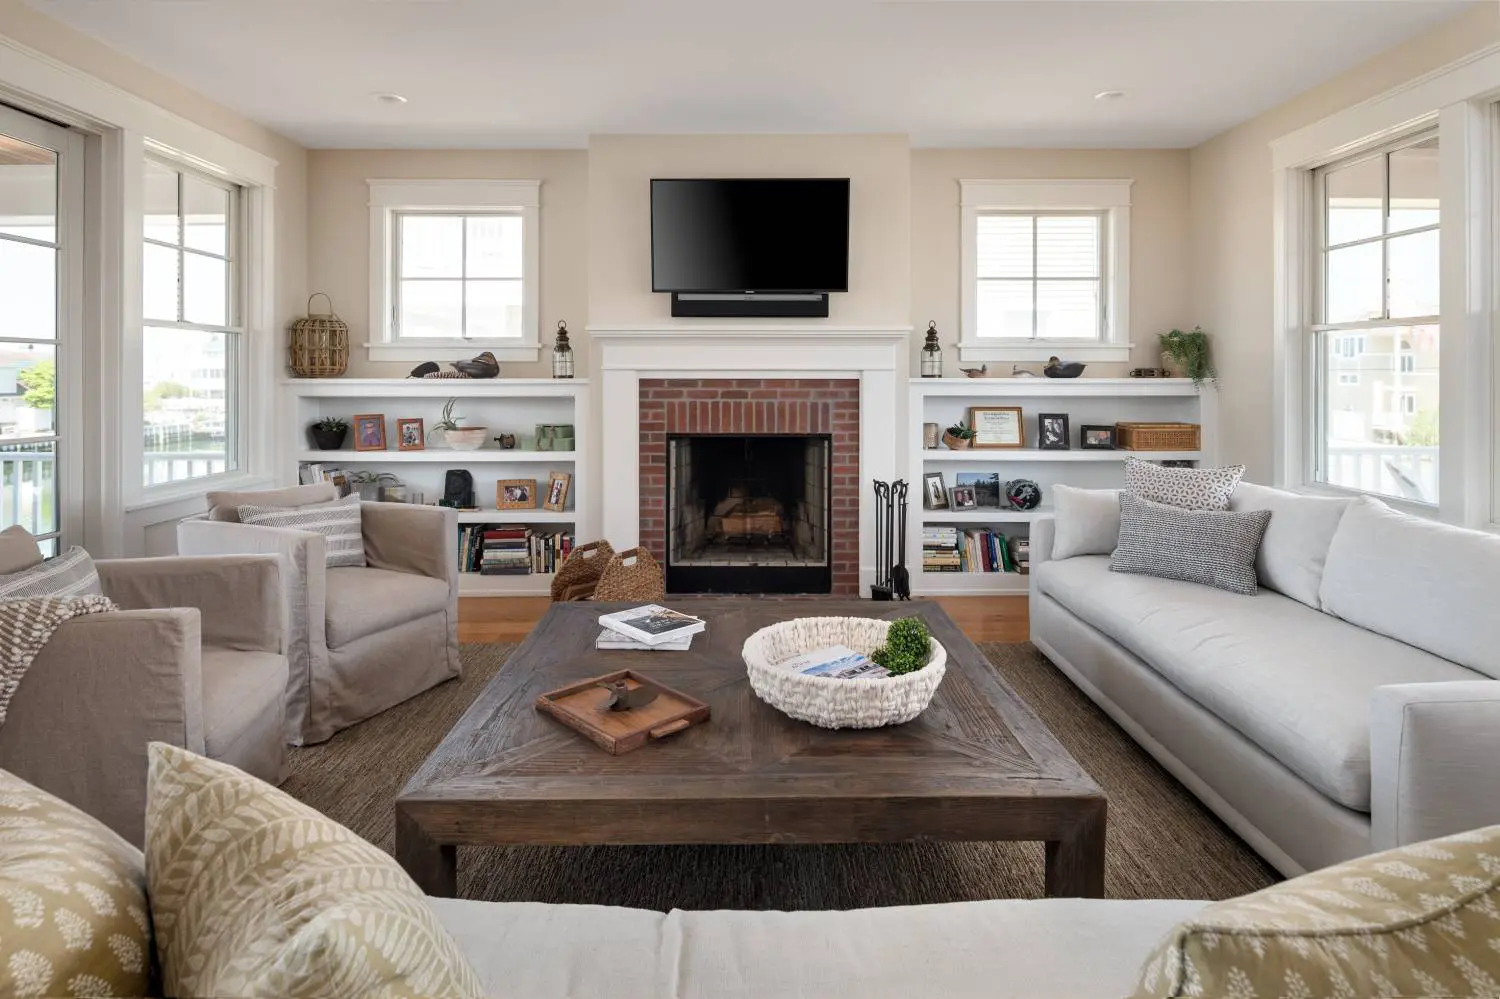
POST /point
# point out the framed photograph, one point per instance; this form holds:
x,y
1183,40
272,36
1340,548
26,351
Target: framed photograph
x,y
964,498
986,486
1052,432
558,484
997,426
934,491
1096,438
369,432
515,494
410,435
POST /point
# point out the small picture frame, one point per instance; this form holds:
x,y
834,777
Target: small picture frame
x,y
934,491
411,435
997,427
558,484
1096,437
515,494
964,498
1052,432
369,432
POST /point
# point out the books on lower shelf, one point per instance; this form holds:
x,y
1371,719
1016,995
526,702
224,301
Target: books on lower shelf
x,y
949,549
652,624
511,549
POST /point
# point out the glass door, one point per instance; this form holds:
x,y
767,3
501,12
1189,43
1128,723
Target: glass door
x,y
41,225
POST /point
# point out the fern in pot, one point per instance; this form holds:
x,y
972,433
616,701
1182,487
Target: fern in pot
x,y
1187,354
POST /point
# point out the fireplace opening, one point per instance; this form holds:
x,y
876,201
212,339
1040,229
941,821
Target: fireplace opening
x,y
748,514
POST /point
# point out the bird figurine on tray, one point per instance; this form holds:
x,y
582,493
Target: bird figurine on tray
x,y
623,697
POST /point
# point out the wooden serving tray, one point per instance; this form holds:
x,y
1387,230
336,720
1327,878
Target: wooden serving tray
x,y
580,706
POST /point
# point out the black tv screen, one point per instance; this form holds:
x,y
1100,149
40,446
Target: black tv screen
x,y
750,235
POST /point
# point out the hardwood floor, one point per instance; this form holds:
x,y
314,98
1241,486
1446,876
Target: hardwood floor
x,y
510,619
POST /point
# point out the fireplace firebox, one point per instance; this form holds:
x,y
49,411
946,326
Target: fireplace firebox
x,y
749,513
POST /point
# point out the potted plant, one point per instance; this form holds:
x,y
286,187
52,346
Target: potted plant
x,y
455,435
1187,355
328,433
959,436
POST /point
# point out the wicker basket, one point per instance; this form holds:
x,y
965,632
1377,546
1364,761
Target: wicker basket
x,y
631,575
1158,436
580,571
318,346
831,703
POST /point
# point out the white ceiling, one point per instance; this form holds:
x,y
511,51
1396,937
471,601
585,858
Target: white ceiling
x,y
546,73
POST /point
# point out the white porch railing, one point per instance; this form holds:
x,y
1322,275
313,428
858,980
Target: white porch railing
x,y
177,466
28,487
1390,469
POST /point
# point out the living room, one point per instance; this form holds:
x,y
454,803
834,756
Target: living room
x,y
883,497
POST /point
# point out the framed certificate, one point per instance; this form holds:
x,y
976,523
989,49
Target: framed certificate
x,y
997,426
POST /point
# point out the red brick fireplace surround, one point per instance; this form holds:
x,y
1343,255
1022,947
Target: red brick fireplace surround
x,y
754,406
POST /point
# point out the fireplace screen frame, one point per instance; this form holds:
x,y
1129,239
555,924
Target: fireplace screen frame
x,y
789,576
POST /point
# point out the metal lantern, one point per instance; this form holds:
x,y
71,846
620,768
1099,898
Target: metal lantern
x,y
932,354
562,354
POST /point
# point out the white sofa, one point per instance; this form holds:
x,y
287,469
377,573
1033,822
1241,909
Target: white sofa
x,y
1350,706
1045,949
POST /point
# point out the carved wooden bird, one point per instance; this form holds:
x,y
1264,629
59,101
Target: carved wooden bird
x,y
976,372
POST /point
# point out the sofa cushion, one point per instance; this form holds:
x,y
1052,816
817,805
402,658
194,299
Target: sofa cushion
x,y
360,602
71,574
1086,521
963,950
1189,488
237,687
73,912
1293,552
1295,681
18,550
1426,584
1419,920
338,522
255,894
1209,547
226,505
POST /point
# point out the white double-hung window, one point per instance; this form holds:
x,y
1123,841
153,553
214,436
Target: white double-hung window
x,y
454,269
1045,270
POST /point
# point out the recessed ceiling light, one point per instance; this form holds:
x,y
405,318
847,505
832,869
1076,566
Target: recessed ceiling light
x,y
1109,95
390,98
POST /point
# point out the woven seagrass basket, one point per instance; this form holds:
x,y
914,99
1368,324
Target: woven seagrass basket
x,y
831,703
579,575
318,345
631,575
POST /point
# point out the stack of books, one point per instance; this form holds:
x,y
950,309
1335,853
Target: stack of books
x,y
1020,553
505,550
652,628
549,550
985,550
940,549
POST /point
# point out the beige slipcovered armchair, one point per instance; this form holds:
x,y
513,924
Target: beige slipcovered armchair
x,y
194,658
360,640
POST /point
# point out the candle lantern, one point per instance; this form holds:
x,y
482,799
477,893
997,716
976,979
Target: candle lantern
x,y
562,353
932,353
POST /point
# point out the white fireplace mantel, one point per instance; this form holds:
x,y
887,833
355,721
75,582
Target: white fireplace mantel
x,y
623,355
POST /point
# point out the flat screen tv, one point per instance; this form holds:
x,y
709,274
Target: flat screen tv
x,y
733,236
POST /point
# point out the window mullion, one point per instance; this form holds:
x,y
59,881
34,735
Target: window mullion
x,y
1035,234
463,280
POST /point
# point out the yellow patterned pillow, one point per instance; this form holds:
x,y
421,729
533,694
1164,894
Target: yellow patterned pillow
x,y
255,894
72,901
1420,920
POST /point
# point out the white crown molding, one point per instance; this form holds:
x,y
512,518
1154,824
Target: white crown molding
x,y
1046,193
455,194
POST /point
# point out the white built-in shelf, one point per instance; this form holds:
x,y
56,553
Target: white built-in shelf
x,y
517,517
973,455
1054,388
443,388
473,584
448,456
983,515
961,583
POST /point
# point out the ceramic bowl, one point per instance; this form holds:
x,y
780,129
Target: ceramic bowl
x,y
466,438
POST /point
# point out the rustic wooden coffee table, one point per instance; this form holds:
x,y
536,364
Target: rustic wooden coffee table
x,y
976,765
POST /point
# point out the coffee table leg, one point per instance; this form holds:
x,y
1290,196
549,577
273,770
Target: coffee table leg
x,y
1075,864
432,865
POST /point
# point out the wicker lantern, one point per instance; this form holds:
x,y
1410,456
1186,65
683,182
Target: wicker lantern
x,y
932,353
318,346
562,354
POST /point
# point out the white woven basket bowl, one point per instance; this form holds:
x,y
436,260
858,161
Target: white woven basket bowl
x,y
830,703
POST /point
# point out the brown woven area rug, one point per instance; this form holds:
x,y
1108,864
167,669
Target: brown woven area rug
x,y
1162,843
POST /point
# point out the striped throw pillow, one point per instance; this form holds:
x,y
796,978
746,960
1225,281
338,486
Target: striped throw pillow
x,y
71,574
1213,547
337,521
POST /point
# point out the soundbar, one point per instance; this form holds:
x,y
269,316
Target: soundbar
x,y
749,305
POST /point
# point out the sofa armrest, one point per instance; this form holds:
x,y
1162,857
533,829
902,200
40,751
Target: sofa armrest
x,y
411,537
103,687
1432,760
238,596
1043,529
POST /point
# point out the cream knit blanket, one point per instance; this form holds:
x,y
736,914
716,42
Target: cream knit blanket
x,y
25,627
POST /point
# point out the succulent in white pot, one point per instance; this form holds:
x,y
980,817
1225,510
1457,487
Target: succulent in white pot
x,y
455,435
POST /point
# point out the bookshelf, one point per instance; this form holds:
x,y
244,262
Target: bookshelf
x,y
945,401
503,405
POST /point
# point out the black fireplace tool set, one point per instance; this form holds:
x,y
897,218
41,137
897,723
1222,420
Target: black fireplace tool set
x,y
892,581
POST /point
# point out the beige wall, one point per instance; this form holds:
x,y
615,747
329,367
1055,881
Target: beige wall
x,y
1231,225
1159,261
339,235
621,167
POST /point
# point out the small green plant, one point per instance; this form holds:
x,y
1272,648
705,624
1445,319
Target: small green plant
x,y
1191,350
448,421
906,647
332,424
962,431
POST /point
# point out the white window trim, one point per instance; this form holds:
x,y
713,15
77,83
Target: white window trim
x,y
387,197
1458,99
1109,196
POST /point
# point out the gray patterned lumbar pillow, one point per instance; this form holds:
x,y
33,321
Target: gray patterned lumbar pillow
x,y
71,574
1189,488
338,522
1213,547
